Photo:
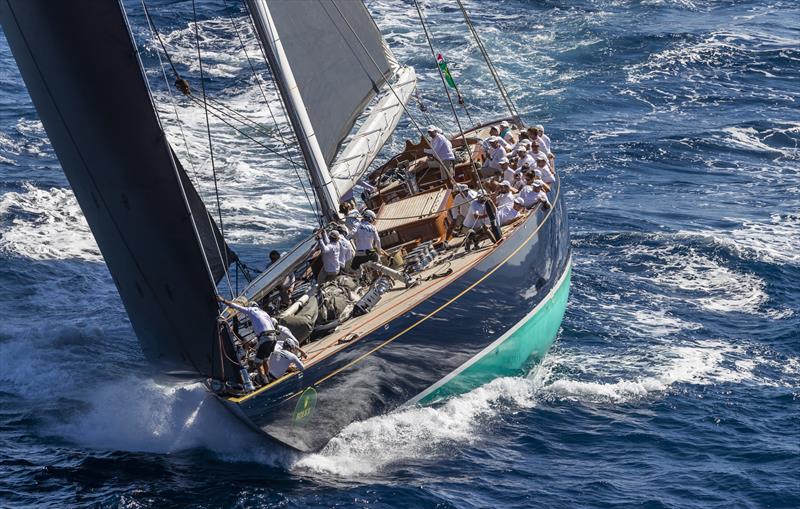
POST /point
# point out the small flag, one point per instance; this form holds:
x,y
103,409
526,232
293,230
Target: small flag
x,y
445,71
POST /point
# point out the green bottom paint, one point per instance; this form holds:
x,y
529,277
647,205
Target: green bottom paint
x,y
527,344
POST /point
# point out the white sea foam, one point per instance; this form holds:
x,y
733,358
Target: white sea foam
x,y
417,433
774,241
45,224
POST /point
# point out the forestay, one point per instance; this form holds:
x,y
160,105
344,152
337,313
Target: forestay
x,y
81,68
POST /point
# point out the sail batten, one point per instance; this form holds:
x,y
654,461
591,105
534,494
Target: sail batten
x,y
80,65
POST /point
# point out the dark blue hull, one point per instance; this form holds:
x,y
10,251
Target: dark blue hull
x,y
397,362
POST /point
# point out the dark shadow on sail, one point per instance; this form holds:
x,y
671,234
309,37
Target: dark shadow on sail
x,y
82,70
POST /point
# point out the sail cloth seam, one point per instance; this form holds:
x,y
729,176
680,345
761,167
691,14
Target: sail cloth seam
x,y
210,144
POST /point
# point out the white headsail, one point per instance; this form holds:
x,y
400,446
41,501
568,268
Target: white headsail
x,y
331,62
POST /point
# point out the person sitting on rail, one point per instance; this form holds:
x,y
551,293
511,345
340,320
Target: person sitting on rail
x,y
505,132
494,132
509,213
346,250
543,139
509,173
525,157
330,249
495,154
442,151
281,361
541,165
367,241
505,195
534,193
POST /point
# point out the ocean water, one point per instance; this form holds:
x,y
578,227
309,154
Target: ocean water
x,y
674,382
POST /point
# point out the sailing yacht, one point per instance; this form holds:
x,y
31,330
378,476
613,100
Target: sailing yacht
x,y
429,321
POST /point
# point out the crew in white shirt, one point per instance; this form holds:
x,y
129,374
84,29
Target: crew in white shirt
x,y
463,197
346,250
367,241
524,157
544,139
280,360
541,164
442,151
504,196
534,193
508,173
508,213
330,249
268,332
496,153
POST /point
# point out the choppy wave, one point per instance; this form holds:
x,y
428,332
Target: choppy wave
x,y
45,224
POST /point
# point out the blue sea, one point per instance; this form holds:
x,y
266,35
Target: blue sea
x,y
674,381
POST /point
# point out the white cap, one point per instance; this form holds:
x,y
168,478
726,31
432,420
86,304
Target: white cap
x,y
433,129
334,234
504,124
460,187
368,214
541,157
505,183
539,127
522,149
537,183
519,201
494,139
527,142
503,160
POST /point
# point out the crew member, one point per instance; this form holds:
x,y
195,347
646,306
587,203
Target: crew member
x,y
346,250
541,165
496,154
505,196
330,249
266,330
462,199
544,140
281,360
507,214
505,132
442,150
534,193
367,241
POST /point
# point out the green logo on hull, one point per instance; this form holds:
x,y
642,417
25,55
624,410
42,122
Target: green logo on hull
x,y
305,407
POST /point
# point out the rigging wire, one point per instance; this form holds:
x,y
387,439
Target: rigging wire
x,y
394,92
444,84
257,78
210,143
492,70
181,83
281,103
